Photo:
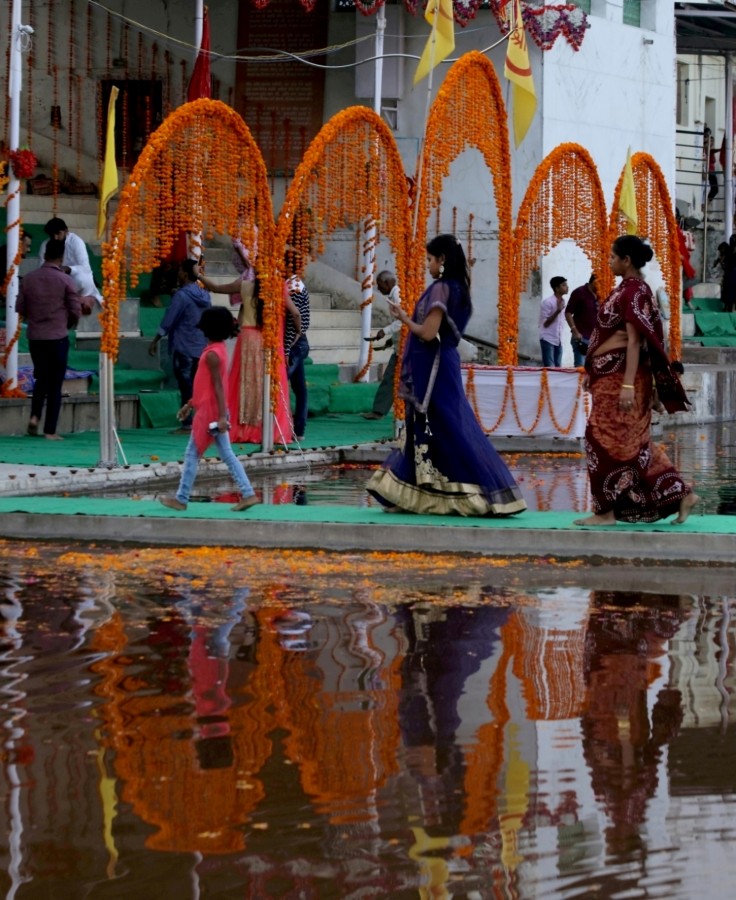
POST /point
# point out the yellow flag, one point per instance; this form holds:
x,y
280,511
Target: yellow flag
x,y
439,15
519,72
109,183
627,197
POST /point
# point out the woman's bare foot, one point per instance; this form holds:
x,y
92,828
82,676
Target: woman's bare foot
x,y
53,437
686,507
606,519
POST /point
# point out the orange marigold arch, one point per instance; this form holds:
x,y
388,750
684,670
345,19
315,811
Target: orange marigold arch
x,y
657,224
201,172
351,173
468,111
564,199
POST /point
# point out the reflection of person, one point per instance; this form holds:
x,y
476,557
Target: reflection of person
x,y
551,317
384,399
76,258
626,726
181,324
447,464
580,313
631,477
245,382
296,347
49,302
211,422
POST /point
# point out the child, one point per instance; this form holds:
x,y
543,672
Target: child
x,y
211,419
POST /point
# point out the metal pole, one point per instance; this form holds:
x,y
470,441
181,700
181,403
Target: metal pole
x,y
15,85
198,25
728,164
369,226
267,420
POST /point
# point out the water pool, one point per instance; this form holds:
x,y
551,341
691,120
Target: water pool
x,y
211,723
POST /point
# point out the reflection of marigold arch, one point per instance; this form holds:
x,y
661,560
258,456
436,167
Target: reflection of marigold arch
x,y
201,172
564,200
657,224
468,111
193,808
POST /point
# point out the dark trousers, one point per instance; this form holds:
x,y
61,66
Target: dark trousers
x,y
384,399
579,349
49,367
185,368
298,381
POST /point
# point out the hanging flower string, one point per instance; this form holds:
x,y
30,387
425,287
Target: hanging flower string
x,y
544,400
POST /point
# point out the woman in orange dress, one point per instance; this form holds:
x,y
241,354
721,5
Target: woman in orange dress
x,y
245,381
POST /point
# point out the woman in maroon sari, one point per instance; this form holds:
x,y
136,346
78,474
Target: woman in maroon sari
x,y
631,478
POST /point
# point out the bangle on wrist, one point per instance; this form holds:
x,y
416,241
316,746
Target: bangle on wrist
x,y
631,386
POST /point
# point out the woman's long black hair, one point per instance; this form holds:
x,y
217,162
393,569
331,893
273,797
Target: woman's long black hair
x,y
456,266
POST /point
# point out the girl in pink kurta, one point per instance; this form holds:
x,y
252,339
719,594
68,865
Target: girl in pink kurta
x,y
211,420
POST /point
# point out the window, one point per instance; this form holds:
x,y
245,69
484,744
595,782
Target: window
x,y
632,12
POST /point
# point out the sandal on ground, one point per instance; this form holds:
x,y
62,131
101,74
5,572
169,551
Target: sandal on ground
x,y
33,428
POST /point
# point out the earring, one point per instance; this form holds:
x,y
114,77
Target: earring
x,y
442,269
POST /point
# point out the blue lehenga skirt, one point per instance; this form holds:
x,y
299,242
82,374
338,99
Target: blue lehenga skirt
x,y
446,465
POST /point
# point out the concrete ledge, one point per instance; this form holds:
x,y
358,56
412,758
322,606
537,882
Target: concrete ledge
x,y
323,529
78,413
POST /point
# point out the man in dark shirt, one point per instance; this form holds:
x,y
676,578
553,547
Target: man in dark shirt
x,y
581,314
296,347
181,324
49,303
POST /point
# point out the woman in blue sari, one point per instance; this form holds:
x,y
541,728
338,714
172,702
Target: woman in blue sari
x,y
447,464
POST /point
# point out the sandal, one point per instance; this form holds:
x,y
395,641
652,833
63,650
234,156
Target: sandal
x,y
33,428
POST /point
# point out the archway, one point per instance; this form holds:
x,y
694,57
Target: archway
x,y
657,224
564,199
468,111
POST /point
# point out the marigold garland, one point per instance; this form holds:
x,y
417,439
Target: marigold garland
x,y
166,195
566,183
469,112
509,395
358,144
657,224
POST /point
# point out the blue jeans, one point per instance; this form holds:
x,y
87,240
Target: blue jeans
x,y
551,354
185,368
298,381
225,452
579,349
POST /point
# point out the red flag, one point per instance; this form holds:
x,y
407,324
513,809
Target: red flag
x,y
200,86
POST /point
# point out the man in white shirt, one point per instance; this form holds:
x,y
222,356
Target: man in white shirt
x,y
76,258
551,318
383,401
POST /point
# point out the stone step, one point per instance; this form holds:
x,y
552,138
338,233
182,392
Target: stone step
x,y
347,319
696,354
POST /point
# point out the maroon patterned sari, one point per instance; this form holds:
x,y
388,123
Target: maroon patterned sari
x,y
628,473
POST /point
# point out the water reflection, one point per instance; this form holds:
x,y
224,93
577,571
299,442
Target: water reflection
x,y
277,740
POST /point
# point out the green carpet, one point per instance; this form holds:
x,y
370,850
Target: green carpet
x,y
706,304
148,445
716,324
80,506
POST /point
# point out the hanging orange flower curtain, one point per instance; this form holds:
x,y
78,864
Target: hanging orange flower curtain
x,y
658,225
200,172
564,200
469,111
351,172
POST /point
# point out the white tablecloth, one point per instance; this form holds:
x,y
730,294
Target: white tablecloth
x,y
563,391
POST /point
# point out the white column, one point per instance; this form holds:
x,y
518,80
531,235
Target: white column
x,y
13,204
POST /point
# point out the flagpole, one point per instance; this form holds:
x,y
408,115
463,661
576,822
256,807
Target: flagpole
x,y
420,166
